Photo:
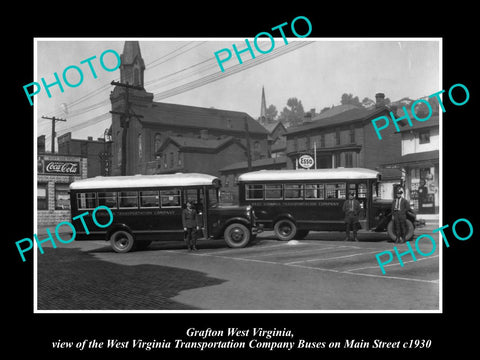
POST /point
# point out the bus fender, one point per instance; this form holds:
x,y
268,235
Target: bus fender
x,y
284,216
237,219
115,227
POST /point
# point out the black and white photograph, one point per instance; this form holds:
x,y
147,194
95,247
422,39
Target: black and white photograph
x,y
288,182
267,186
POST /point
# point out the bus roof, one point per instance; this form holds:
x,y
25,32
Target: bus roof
x,y
318,174
144,181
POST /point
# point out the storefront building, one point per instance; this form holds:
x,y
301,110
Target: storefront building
x,y
420,165
55,173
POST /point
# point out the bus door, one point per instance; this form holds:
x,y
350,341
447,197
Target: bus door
x,y
361,194
197,197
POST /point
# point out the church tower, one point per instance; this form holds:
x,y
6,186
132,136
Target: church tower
x,y
132,66
129,99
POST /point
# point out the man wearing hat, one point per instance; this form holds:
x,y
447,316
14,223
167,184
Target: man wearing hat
x,y
351,208
400,206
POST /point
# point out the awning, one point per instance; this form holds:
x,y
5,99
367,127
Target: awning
x,y
421,158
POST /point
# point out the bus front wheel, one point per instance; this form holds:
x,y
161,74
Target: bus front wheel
x,y
121,241
285,229
237,235
392,233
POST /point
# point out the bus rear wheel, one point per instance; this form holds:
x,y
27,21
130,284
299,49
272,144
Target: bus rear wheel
x,y
285,229
391,230
237,235
121,241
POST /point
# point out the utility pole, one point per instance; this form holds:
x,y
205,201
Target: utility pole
x,y
247,137
125,120
53,129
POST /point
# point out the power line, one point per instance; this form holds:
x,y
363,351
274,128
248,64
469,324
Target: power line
x,y
192,84
230,71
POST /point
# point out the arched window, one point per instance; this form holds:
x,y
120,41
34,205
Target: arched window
x,y
140,150
119,148
157,142
136,77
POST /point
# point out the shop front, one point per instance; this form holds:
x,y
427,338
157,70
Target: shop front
x,y
422,174
55,172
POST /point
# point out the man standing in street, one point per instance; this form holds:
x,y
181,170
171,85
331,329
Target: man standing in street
x,y
190,226
351,208
400,206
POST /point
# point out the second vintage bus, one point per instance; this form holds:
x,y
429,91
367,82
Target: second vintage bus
x,y
294,202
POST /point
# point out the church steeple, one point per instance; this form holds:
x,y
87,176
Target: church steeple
x,y
263,107
132,66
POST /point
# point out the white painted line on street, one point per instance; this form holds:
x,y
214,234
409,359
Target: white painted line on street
x,y
331,258
312,268
405,262
293,252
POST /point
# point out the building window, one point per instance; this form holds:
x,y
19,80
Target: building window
x,y
42,196
62,197
352,135
308,142
337,160
172,159
322,140
349,159
295,143
337,137
140,150
119,149
179,159
424,137
157,142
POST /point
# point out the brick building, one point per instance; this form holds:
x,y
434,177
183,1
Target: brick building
x,y
163,138
55,172
98,152
344,137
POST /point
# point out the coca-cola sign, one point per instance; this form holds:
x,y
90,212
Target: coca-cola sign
x,y
62,167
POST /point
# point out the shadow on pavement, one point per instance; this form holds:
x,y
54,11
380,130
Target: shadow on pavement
x,y
69,279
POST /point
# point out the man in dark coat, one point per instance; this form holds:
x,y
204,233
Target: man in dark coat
x,y
351,208
400,206
190,222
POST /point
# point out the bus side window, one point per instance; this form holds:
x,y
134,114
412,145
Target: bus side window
x,y
86,200
108,199
170,198
254,192
335,191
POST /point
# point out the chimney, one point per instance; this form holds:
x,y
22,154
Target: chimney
x,y
379,100
41,144
204,134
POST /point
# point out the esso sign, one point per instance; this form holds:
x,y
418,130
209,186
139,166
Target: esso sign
x,y
306,161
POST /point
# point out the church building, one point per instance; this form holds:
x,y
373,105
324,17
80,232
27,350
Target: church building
x,y
152,137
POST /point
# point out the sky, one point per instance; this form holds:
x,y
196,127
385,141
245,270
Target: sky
x,y
316,71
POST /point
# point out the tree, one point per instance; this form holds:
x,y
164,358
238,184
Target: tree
x,y
271,113
349,99
293,113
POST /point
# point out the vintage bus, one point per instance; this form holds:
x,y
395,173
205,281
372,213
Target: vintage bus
x,y
294,202
148,207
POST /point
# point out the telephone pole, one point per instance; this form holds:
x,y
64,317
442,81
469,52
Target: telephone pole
x,y
125,120
53,119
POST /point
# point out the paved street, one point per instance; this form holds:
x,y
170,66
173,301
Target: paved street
x,y
321,272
